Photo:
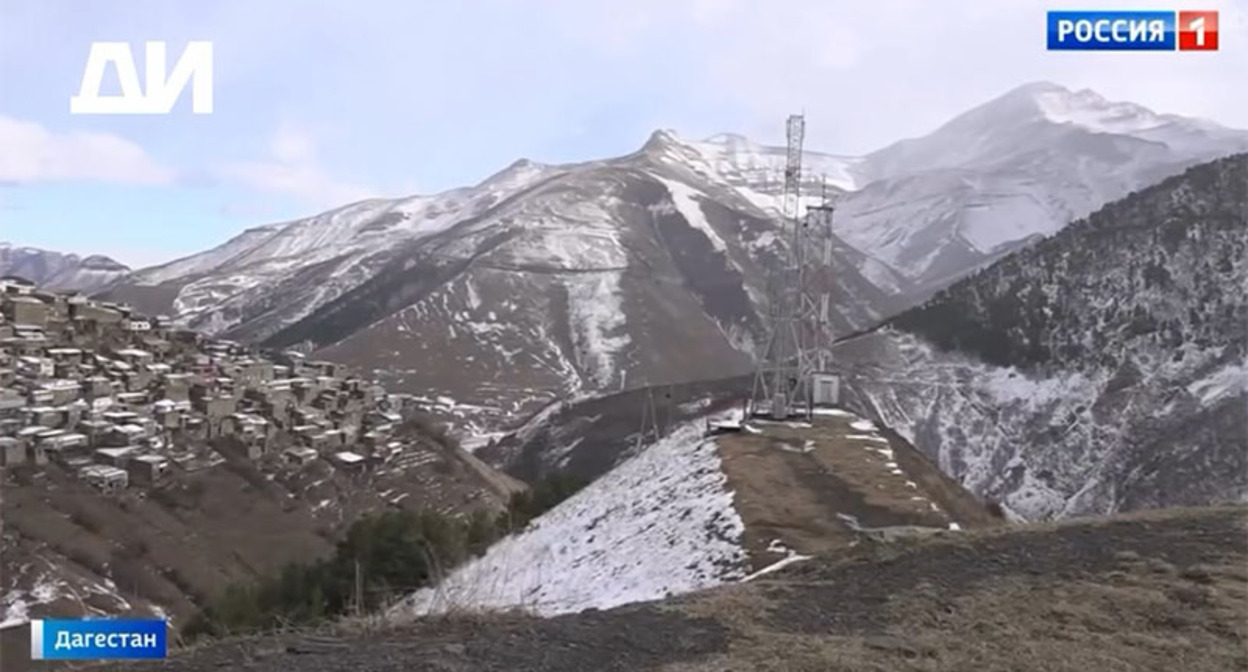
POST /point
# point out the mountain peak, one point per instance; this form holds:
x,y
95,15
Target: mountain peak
x,y
99,262
1037,88
663,137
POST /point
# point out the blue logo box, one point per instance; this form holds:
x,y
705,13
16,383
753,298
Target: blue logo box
x,y
1111,31
97,639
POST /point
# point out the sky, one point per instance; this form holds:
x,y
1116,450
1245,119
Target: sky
x,y
318,104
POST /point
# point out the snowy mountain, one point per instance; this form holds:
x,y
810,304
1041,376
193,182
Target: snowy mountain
x,y
1104,369
58,271
541,282
549,281
1018,167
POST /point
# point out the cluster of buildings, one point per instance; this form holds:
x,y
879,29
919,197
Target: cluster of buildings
x,y
123,400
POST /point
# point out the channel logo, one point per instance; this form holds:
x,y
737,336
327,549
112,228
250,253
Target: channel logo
x,y
1133,31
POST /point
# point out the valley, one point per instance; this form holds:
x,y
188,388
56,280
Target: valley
x,y
1041,430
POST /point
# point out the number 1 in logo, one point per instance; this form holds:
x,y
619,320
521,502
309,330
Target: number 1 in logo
x,y
1198,31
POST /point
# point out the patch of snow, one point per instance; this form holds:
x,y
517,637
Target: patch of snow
x,y
866,437
1229,381
863,425
806,447
596,313
776,566
661,523
683,197
16,610
17,602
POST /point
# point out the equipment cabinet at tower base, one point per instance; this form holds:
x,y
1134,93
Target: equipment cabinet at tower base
x,y
827,389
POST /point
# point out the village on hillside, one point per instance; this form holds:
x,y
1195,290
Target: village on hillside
x,y
124,400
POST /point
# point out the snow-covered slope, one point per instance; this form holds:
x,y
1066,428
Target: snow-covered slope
x,y
1103,369
58,271
272,276
662,523
689,511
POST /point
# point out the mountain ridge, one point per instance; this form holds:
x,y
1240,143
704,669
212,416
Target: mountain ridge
x,y
701,218
59,270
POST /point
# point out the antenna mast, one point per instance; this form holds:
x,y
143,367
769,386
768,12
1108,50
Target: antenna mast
x,y
793,374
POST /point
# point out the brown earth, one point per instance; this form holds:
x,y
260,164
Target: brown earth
x,y
1160,591
794,481
182,542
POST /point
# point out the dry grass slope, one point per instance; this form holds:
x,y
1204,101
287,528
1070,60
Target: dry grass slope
x,y
1159,591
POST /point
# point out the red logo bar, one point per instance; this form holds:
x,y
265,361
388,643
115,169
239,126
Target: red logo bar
x,y
1198,31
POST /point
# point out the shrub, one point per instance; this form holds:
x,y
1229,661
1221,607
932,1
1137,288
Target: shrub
x,y
396,551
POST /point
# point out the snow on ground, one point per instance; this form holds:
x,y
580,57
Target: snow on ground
x,y
1225,382
661,523
18,602
834,412
777,566
863,425
1093,112
16,610
597,319
683,197
16,605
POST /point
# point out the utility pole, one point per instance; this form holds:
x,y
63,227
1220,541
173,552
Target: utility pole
x,y
359,590
649,421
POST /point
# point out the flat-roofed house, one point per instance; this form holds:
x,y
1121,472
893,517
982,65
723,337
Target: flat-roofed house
x,y
349,460
11,451
299,455
26,310
147,469
116,457
108,479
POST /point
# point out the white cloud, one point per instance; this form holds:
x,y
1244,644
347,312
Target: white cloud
x,y
294,168
31,153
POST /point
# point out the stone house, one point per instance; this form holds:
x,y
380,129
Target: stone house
x,y
12,452
147,469
299,455
35,367
116,457
36,455
108,479
137,325
348,460
64,390
26,310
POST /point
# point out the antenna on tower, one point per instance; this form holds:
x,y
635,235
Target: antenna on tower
x,y
793,375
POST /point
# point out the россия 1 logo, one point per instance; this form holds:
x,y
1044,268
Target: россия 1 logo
x,y
1133,31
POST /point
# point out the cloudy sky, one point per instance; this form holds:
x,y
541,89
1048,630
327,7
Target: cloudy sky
x,y
320,103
